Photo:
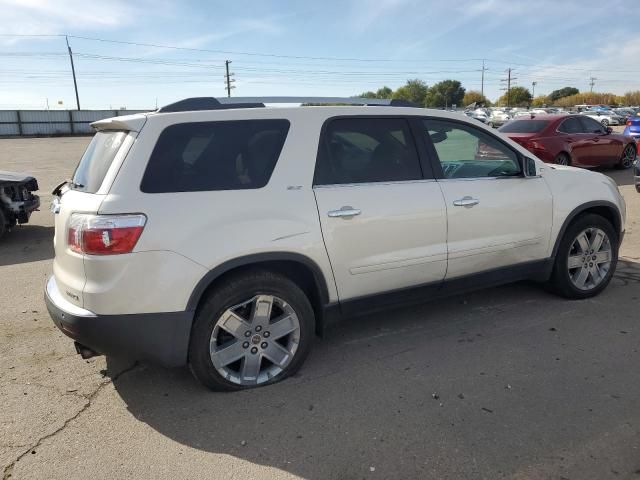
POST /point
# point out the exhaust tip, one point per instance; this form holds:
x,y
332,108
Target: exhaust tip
x,y
84,351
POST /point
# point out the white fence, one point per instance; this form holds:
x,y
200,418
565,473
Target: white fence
x,y
53,122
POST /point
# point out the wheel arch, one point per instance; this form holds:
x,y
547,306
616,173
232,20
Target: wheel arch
x,y
297,267
603,208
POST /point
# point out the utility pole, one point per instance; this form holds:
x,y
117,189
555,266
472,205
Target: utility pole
x,y
482,83
228,78
73,72
592,82
533,89
509,79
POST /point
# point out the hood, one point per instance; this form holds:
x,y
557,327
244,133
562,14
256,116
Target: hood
x,y
9,178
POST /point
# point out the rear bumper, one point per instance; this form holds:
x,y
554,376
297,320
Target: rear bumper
x,y
161,338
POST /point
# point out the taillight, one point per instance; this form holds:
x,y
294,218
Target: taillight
x,y
104,234
628,123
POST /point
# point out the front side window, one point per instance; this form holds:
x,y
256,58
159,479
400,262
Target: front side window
x,y
589,125
366,150
209,156
467,152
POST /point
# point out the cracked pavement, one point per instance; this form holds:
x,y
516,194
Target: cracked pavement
x,y
509,382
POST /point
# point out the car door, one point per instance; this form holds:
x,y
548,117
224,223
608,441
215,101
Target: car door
x,y
496,216
383,220
576,140
605,149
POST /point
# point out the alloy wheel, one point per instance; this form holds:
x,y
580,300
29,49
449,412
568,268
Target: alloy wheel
x,y
254,341
628,156
589,259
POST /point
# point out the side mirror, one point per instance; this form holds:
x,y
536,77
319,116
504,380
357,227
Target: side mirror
x,y
609,130
529,167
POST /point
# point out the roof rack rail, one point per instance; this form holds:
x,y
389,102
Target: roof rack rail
x,y
211,103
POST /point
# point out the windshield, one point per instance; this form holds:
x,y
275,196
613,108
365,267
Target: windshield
x,y
524,126
96,160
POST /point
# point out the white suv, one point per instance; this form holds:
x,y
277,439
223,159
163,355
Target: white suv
x,y
226,235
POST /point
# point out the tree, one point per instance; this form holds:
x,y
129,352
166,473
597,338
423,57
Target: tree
x,y
384,92
474,96
561,93
588,98
540,101
413,91
445,94
368,94
517,97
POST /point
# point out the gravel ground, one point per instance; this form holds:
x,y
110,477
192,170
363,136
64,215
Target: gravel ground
x,y
509,382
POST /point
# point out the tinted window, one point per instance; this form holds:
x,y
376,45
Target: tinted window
x,y
589,125
96,160
364,150
524,126
205,156
571,125
468,152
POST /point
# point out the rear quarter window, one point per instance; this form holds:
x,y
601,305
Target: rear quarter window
x,y
210,156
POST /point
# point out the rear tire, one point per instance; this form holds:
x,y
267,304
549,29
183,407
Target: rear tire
x,y
562,159
236,340
586,259
628,156
604,122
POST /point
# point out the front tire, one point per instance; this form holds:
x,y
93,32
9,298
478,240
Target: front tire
x,y
628,156
253,330
604,122
586,259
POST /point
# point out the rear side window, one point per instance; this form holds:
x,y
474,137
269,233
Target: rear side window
x,y
571,125
367,150
524,126
96,160
208,156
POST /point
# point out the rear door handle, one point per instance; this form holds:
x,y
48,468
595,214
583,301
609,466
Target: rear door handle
x,y
346,212
466,202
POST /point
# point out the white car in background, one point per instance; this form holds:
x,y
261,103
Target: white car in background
x,y
498,118
223,234
605,117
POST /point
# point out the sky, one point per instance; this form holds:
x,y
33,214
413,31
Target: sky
x,y
287,47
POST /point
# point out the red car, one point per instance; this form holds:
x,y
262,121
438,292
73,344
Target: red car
x,y
571,140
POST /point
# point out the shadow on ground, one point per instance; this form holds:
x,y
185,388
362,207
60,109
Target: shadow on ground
x,y
622,177
476,386
26,243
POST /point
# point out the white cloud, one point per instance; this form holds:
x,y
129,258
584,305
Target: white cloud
x,y
268,26
45,17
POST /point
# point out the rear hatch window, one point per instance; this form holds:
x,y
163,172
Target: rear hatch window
x,y
524,126
96,160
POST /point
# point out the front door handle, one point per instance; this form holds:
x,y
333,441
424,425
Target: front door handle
x,y
466,202
345,212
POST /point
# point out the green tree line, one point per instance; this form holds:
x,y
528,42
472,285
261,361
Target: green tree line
x,y
447,93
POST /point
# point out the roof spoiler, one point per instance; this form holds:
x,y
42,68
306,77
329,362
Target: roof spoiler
x,y
130,123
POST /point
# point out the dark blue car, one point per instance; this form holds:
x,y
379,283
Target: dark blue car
x,y
633,127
